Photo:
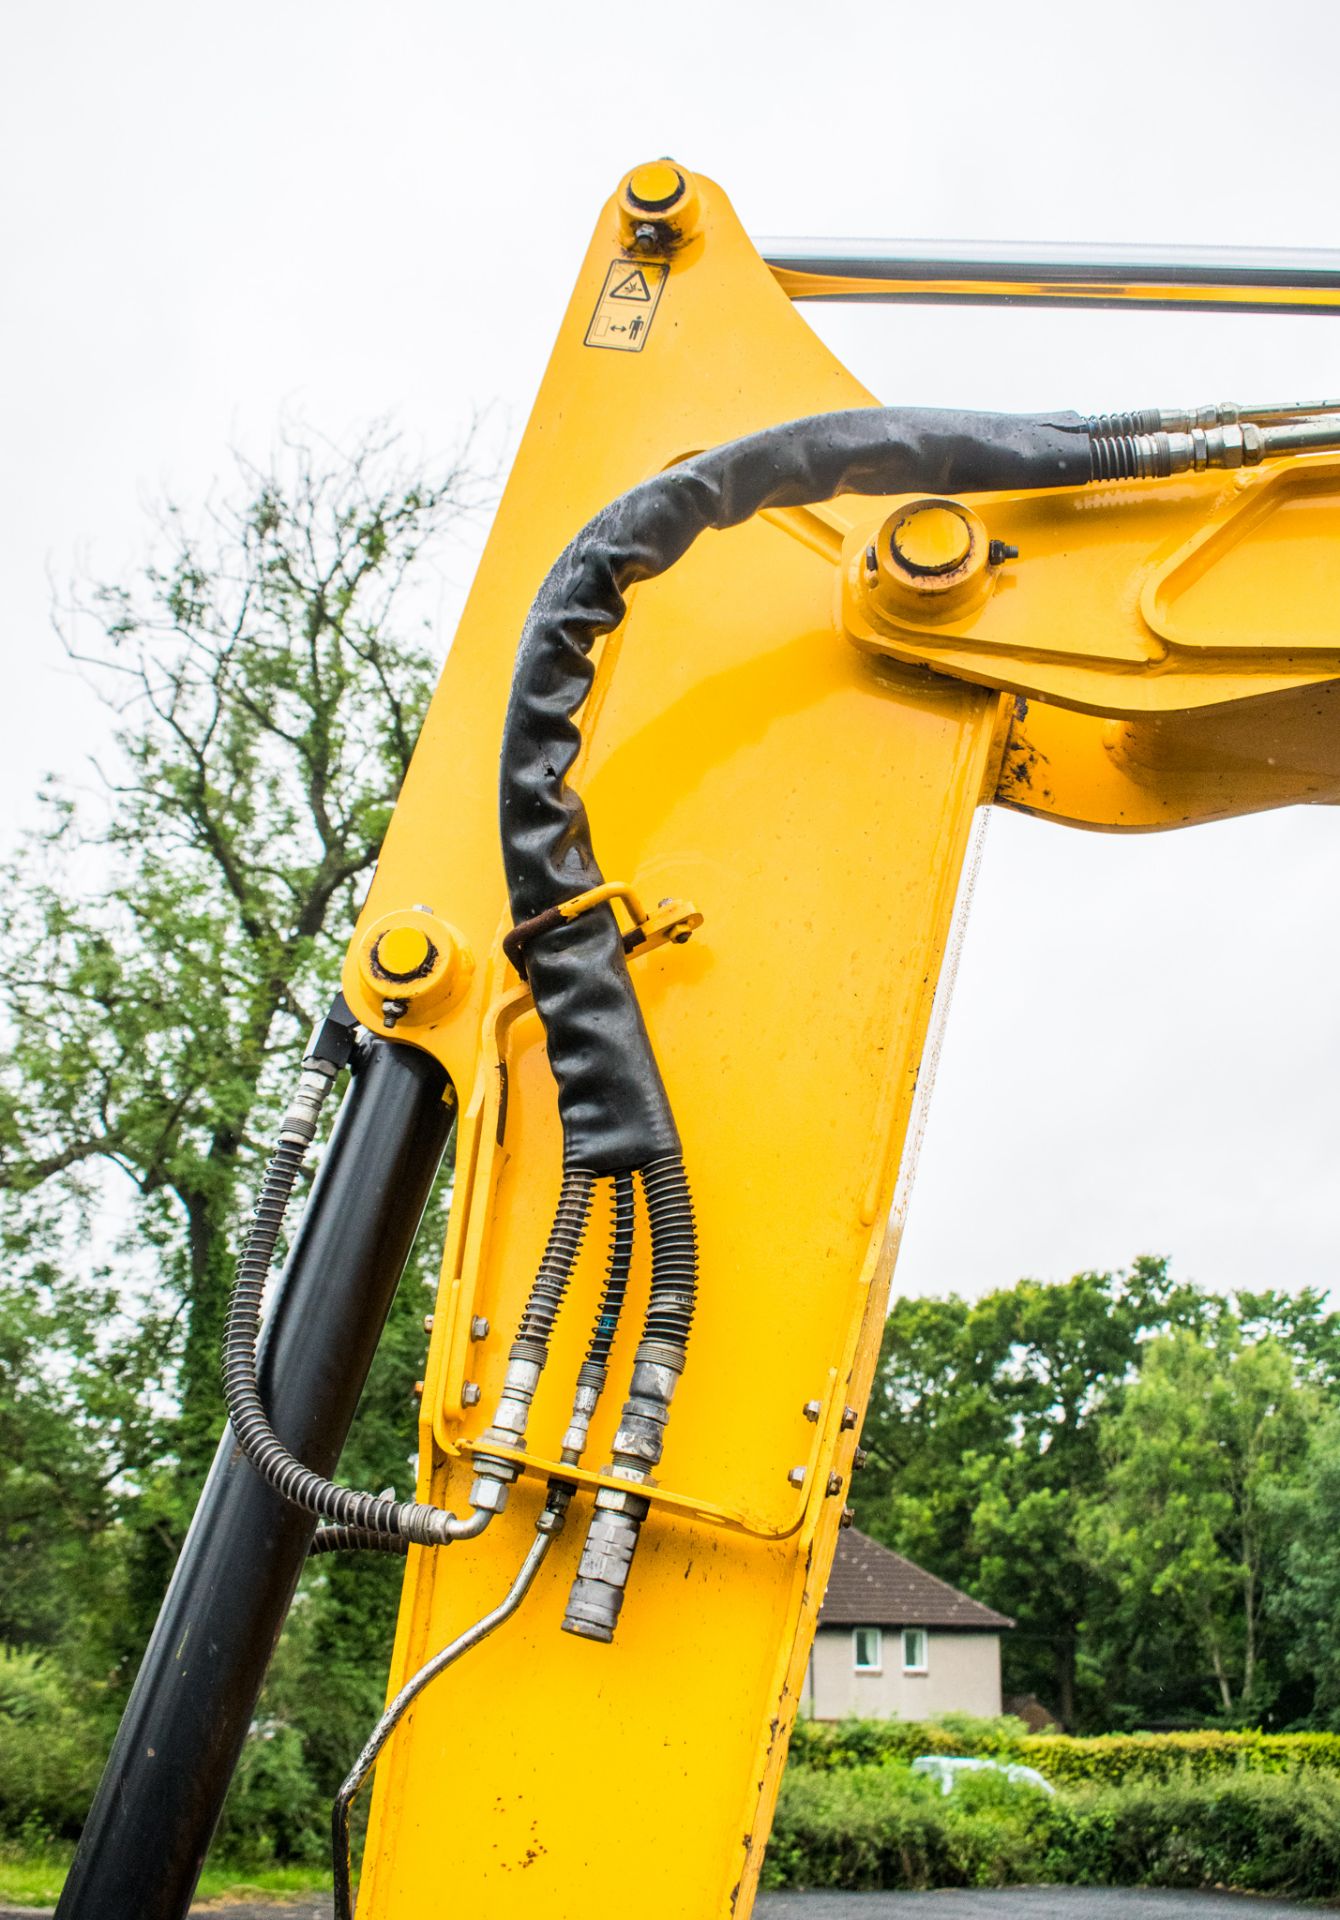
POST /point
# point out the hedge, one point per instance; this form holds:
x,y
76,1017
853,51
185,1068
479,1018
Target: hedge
x,y
872,1827
1112,1759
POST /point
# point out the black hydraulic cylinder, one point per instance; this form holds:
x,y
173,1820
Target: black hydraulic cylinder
x,y
159,1800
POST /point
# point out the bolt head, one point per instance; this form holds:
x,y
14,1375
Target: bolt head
x,y
812,1409
470,1394
796,1477
860,1459
834,1485
418,1389
428,1323
848,1515
479,1328
849,1417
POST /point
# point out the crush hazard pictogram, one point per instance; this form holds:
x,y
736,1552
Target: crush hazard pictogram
x,y
627,306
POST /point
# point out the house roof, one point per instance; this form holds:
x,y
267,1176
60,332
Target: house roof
x,y
872,1587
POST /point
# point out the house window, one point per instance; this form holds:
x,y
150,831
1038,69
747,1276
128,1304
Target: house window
x,y
867,1650
914,1649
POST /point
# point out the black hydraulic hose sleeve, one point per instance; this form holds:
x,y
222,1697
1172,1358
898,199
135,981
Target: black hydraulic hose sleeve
x,y
616,1276
613,1106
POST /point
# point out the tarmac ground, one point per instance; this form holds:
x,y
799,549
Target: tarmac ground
x,y
1011,1903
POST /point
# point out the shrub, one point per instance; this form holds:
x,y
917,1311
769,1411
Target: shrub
x,y
1103,1760
881,1826
1115,1758
50,1752
274,1810
1263,1833
854,1743
884,1826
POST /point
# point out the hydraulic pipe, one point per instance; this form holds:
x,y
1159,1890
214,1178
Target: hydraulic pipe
x,y
992,272
159,1800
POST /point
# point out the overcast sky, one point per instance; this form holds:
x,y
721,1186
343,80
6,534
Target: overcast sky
x,y
210,214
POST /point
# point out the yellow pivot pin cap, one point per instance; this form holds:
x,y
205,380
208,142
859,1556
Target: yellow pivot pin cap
x,y
655,186
402,951
932,540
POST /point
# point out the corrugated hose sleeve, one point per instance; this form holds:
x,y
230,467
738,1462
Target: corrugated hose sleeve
x,y
612,1102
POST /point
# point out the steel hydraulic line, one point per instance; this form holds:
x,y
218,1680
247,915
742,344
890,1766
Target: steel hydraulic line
x,y
993,272
591,1380
548,1526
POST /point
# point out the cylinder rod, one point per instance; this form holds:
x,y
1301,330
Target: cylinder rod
x,y
159,1800
990,272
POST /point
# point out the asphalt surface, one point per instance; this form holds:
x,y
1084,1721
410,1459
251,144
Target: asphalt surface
x,y
1014,1903
1024,1903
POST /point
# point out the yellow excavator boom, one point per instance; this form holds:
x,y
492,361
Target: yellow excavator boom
x,y
783,752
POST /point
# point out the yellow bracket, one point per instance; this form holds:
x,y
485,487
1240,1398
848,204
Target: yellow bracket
x,y
597,897
673,920
683,1503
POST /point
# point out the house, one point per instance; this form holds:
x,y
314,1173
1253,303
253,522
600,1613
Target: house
x,y
895,1642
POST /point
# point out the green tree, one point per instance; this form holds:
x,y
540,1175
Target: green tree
x,y
172,941
984,1434
1307,1600
1187,1521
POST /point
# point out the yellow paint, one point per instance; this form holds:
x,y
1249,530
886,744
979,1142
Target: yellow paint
x,y
656,184
765,741
932,539
403,950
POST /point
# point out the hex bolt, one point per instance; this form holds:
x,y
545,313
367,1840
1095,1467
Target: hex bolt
x,y
393,1010
428,1323
418,1389
479,1328
834,1485
812,1409
470,1394
848,1515
796,1477
860,1459
849,1419
998,552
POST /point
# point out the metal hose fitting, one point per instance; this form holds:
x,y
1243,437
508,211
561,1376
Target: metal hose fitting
x,y
594,1369
597,1593
530,1349
1156,456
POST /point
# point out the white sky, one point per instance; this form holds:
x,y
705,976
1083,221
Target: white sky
x,y
209,214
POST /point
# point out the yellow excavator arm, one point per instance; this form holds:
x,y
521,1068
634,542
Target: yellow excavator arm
x,y
777,646
783,749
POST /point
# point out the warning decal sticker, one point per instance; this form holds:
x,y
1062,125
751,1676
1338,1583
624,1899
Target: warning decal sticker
x,y
627,305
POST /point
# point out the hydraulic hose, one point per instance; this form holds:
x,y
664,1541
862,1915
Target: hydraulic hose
x,y
615,1113
613,1106
364,1513
594,1370
330,1539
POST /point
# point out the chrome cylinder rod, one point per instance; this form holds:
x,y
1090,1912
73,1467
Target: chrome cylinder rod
x,y
991,272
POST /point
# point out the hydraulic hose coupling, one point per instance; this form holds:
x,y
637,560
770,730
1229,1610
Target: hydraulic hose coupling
x,y
1156,456
315,1081
597,1595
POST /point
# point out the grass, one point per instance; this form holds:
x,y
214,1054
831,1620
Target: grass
x,y
34,1879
